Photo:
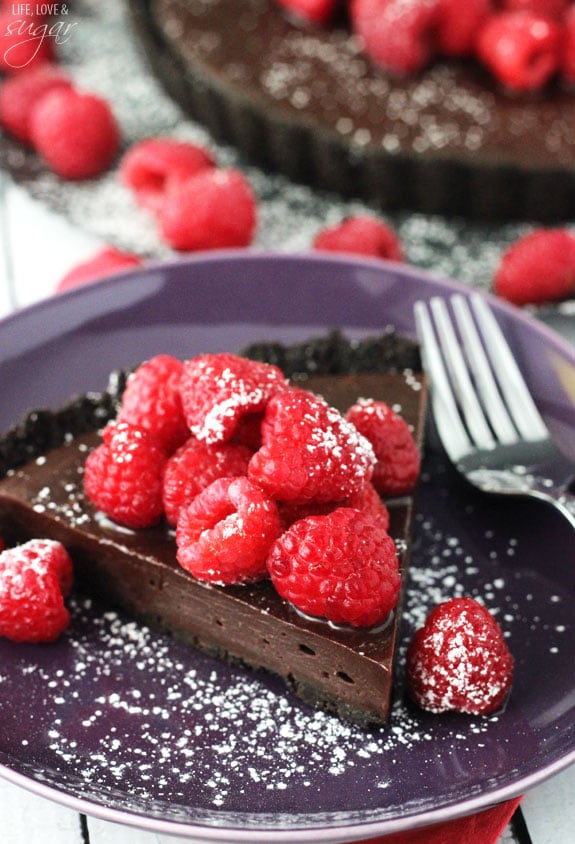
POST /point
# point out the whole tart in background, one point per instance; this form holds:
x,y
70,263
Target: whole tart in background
x,y
308,103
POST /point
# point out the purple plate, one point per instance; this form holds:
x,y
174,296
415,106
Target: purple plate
x,y
119,722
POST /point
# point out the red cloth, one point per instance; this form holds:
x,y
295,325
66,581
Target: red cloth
x,y
486,827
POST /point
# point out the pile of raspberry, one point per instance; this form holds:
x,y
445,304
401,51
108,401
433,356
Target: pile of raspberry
x,y
524,44
260,479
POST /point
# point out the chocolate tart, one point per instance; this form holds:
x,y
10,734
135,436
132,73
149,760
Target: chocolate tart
x,y
307,103
342,670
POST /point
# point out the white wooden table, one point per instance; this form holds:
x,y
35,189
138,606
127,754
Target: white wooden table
x,y
27,274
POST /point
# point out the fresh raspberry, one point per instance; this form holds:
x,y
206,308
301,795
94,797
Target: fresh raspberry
x,y
367,500
219,389
362,235
309,451
398,35
342,567
149,165
76,133
194,466
538,267
123,476
225,534
310,11
215,209
551,8
521,49
34,580
459,661
152,401
105,262
397,455
567,66
21,92
459,24
23,41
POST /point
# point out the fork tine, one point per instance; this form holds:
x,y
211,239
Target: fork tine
x,y
473,414
446,414
494,408
513,387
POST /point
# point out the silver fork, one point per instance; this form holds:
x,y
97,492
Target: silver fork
x,y
485,416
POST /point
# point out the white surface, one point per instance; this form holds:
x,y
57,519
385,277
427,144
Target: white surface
x,y
43,248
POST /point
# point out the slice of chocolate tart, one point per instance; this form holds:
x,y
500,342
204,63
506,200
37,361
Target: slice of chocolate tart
x,y
344,670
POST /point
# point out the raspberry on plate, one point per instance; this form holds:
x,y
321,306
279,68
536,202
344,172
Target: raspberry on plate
x,y
34,580
225,534
123,476
194,466
309,451
103,263
397,455
75,132
342,566
151,164
459,660
215,209
218,390
538,267
152,401
21,92
361,235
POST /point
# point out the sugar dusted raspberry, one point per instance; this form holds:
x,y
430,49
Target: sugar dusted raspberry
x,y
538,267
152,401
342,566
194,466
398,459
24,43
103,263
398,35
151,164
34,580
21,92
225,534
219,389
309,451
459,661
123,476
310,11
459,23
567,66
362,235
75,132
215,209
522,49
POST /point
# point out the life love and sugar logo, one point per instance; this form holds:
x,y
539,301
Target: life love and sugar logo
x,y
27,30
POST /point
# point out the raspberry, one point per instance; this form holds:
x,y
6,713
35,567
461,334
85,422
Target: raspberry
x,y
361,235
76,133
24,43
34,579
538,267
398,35
152,401
309,451
195,466
342,566
150,164
397,455
521,49
105,262
568,52
552,8
215,209
123,476
310,11
21,92
459,24
367,500
219,389
459,660
225,534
